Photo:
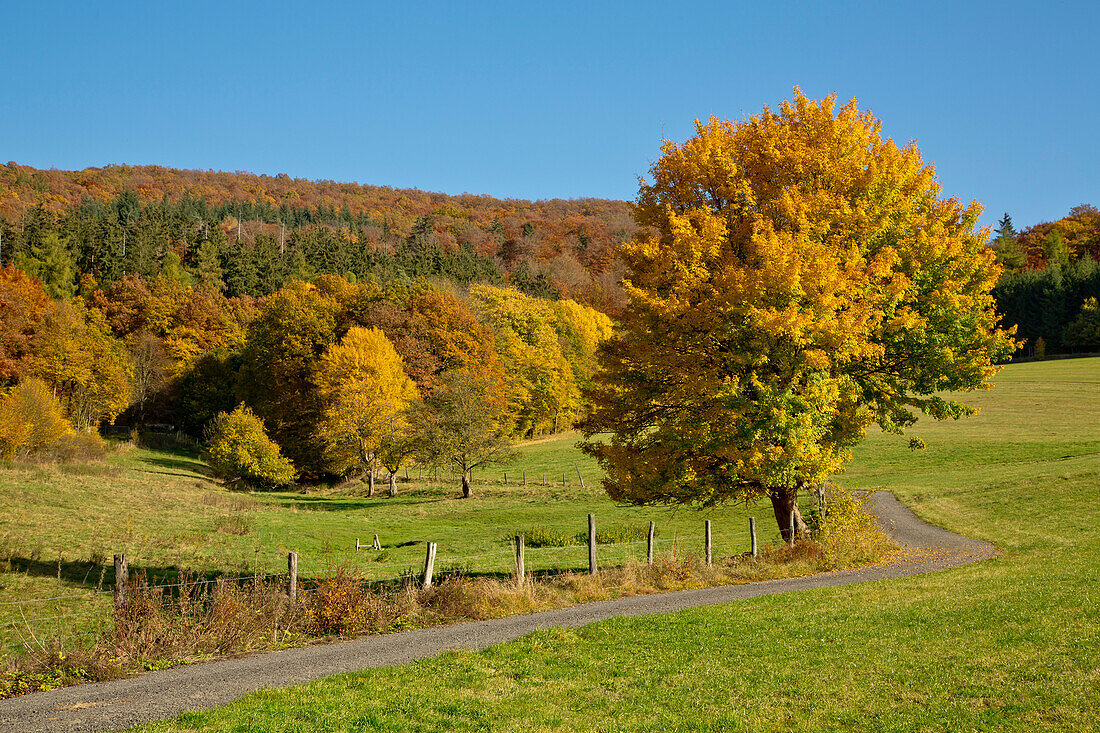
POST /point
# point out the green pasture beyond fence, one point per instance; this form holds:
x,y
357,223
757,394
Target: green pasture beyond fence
x,y
583,546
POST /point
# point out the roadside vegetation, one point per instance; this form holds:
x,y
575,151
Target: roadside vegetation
x,y
1008,644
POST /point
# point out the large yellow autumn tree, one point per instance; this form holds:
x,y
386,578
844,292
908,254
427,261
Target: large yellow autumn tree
x,y
365,393
803,280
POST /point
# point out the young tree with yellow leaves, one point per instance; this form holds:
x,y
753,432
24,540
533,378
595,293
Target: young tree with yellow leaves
x,y
805,281
365,392
30,419
86,367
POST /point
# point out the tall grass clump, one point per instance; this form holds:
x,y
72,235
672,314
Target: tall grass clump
x,y
847,535
545,537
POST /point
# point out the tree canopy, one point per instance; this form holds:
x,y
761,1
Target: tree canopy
x,y
464,423
805,280
365,392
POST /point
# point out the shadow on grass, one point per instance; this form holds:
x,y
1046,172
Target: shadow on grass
x,y
340,503
182,464
92,575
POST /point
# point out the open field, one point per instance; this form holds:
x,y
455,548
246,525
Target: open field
x,y
1008,644
64,524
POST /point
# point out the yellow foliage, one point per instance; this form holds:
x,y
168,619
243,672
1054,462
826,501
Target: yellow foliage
x,y
86,367
238,449
803,281
580,329
30,419
542,385
365,391
848,534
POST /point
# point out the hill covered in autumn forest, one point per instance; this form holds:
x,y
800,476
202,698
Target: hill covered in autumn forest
x,y
140,213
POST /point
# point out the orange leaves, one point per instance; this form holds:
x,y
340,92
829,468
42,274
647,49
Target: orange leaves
x,y
23,304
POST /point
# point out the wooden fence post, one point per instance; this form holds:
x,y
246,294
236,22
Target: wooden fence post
x,y
358,546
377,545
752,533
505,478
791,528
579,477
429,565
292,576
649,544
710,556
563,478
525,479
592,544
519,559
122,577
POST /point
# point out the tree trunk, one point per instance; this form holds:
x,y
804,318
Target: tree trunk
x,y
467,492
367,461
785,503
393,484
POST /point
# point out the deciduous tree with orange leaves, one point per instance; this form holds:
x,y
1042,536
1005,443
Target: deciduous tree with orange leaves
x,y
804,281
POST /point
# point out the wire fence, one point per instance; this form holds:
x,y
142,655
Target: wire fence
x,y
34,622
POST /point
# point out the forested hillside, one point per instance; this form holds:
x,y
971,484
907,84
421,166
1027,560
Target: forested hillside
x,y
153,295
1051,282
247,234
315,360
351,319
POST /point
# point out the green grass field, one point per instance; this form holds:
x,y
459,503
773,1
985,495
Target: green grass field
x,y
64,524
1010,644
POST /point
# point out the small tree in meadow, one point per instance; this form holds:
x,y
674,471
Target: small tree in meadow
x,y
464,423
396,444
238,450
365,389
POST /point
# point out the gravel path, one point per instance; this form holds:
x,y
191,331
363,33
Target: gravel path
x,y
165,694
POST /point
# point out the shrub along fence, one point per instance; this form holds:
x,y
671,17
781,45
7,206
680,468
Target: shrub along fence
x,y
37,624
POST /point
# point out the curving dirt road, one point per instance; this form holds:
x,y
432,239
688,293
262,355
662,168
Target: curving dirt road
x,y
165,694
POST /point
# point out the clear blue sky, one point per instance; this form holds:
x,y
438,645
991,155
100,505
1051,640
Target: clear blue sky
x,y
559,100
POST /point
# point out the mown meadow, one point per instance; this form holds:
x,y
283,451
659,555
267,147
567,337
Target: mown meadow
x,y
1009,644
65,523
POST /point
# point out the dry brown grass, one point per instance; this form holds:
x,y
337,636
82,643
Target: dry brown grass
x,y
196,619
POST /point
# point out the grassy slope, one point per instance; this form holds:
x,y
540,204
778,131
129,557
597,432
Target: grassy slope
x,y
1008,644
64,524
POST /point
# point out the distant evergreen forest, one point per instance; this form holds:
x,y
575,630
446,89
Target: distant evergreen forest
x,y
1051,284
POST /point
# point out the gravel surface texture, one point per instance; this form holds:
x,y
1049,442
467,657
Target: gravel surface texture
x,y
165,694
